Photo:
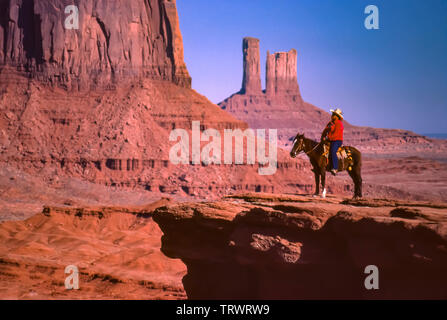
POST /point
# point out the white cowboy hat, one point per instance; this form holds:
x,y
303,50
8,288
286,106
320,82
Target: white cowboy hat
x,y
338,112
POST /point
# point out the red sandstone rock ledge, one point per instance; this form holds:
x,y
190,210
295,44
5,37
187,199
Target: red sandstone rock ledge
x,y
263,246
252,245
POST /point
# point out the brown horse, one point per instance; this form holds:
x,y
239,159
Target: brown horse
x,y
315,152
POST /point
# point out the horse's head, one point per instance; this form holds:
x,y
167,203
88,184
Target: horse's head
x,y
298,145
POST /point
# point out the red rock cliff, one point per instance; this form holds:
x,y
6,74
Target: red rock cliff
x,y
117,40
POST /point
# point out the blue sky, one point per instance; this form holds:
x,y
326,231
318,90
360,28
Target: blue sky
x,y
394,77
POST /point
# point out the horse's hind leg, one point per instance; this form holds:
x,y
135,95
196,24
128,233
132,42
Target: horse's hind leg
x,y
359,186
357,179
317,183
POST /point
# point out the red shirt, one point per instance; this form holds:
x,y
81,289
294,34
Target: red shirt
x,y
335,130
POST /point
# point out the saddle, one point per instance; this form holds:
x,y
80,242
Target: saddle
x,y
344,155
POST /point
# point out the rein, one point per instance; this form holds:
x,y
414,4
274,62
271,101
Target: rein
x,y
308,152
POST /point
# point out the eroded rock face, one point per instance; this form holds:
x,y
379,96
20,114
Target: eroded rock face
x,y
264,246
117,40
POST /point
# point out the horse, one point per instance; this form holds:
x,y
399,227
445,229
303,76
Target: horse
x,y
315,152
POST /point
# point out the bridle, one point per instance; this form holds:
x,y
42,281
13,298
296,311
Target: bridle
x,y
299,149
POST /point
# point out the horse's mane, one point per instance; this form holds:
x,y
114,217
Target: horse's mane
x,y
313,142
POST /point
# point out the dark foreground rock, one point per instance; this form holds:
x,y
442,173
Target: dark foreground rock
x,y
249,246
292,247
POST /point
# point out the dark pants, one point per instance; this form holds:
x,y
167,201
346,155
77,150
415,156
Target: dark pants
x,y
333,152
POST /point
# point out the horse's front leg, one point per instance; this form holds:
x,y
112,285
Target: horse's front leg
x,y
317,182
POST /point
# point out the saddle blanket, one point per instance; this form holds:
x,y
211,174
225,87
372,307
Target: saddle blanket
x,y
343,154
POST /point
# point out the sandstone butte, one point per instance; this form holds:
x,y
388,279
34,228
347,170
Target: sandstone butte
x,y
85,117
281,106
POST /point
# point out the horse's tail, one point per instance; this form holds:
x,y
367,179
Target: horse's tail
x,y
356,172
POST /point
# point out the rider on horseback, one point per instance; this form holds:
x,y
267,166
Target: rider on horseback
x,y
334,133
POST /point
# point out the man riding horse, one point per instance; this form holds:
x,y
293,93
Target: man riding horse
x,y
334,133
351,158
